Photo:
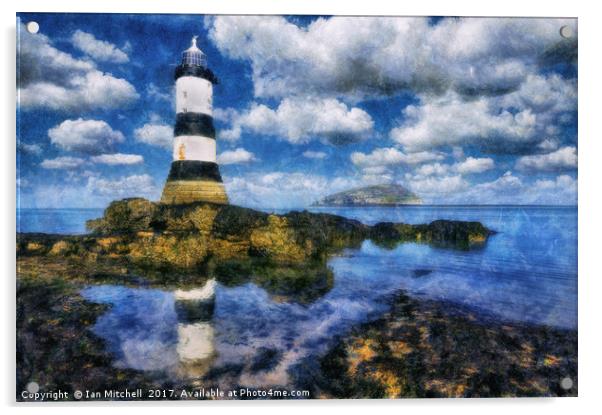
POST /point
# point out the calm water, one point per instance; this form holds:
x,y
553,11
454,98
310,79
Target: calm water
x,y
527,272
64,221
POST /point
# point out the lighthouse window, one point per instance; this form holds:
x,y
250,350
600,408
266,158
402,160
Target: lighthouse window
x,y
185,94
184,109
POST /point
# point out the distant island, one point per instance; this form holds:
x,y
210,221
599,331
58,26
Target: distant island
x,y
377,195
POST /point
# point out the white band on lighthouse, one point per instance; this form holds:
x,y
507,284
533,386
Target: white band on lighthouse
x,y
194,147
194,94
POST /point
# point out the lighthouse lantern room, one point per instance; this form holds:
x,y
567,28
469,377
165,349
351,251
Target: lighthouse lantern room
x,y
194,175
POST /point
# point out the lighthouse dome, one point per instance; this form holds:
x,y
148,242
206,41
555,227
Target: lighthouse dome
x,y
194,56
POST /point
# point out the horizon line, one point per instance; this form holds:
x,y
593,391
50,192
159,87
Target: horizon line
x,y
329,207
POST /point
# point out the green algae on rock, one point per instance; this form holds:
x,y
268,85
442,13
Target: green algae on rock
x,y
202,237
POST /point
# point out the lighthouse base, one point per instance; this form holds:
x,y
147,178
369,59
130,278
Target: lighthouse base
x,y
189,191
194,181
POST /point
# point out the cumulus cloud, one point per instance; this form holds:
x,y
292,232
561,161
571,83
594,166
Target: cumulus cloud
x,y
117,159
53,79
469,165
561,159
34,149
300,120
392,156
375,170
99,50
560,190
238,156
283,189
159,94
511,189
86,136
515,122
380,56
65,162
89,189
318,155
129,186
449,120
434,169
160,135
474,165
437,186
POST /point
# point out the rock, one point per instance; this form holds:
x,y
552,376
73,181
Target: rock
x,y
200,236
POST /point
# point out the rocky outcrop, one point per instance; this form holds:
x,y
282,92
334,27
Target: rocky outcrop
x,y
187,235
278,252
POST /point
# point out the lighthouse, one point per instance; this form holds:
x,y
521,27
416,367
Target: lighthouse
x,y
194,174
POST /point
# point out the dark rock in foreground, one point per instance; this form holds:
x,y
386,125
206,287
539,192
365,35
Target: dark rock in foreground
x,y
433,349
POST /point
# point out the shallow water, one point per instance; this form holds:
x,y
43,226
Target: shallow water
x,y
527,272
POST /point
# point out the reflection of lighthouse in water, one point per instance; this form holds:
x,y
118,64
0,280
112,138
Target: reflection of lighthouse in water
x,y
195,347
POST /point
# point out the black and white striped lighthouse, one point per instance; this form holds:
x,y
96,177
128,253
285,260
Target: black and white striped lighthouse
x,y
194,175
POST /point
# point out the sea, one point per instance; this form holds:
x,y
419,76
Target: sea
x,y
526,273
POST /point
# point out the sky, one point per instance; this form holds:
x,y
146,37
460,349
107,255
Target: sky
x,y
458,110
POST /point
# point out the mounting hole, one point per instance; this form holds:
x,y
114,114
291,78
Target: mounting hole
x,y
33,387
32,27
566,32
566,383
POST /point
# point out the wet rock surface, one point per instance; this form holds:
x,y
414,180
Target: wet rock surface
x,y
429,349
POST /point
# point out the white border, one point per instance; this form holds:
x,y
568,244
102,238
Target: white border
x,y
590,176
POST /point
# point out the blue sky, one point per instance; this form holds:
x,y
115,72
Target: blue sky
x,y
461,111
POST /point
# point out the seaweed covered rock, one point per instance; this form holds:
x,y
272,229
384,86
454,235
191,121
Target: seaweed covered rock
x,y
440,233
194,236
124,216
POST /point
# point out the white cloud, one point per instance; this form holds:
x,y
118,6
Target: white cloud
x,y
434,169
160,135
548,145
516,121
379,56
53,79
88,189
34,149
86,136
117,159
437,186
392,156
375,170
318,155
153,91
503,184
225,114
562,181
240,155
561,159
129,186
300,120
62,163
474,165
283,189
92,90
99,50
449,120
468,166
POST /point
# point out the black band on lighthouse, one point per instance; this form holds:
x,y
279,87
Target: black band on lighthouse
x,y
194,170
195,70
194,123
